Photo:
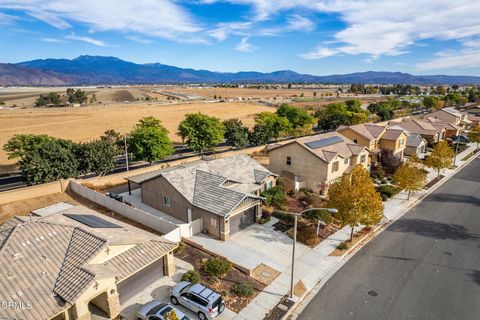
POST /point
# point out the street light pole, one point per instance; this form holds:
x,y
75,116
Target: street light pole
x,y
456,148
332,210
126,151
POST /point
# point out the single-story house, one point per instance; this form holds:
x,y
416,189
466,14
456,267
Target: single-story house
x,y
57,266
224,192
416,145
316,161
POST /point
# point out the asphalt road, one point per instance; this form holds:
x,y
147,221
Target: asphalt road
x,y
424,266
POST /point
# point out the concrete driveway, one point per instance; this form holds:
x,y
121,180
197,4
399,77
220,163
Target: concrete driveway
x,y
254,245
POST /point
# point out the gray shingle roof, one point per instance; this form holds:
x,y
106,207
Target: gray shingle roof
x,y
414,140
210,195
214,185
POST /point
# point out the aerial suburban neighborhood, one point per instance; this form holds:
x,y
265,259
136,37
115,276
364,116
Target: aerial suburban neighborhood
x,y
132,189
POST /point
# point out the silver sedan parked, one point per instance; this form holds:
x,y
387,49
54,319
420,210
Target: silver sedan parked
x,y
156,310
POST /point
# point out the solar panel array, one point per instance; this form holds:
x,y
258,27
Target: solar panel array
x,y
323,142
92,221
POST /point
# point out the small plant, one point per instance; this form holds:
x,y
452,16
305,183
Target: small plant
x,y
243,289
275,197
342,246
191,276
180,248
217,267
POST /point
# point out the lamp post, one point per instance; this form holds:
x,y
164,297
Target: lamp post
x,y
332,210
456,148
126,151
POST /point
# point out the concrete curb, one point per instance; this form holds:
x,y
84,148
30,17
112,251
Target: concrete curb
x,y
374,233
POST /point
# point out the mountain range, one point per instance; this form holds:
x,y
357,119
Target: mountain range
x,y
100,70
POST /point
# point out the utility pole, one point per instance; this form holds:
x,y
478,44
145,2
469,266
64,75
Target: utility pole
x,y
126,151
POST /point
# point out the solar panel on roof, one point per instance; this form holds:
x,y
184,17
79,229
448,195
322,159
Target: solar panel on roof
x,y
92,221
323,142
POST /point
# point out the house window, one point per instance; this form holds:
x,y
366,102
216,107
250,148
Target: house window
x,y
335,166
189,215
362,159
166,201
268,185
289,161
355,140
402,142
346,161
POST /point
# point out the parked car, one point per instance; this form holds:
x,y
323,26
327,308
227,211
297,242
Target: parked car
x,y
459,139
114,196
205,302
156,310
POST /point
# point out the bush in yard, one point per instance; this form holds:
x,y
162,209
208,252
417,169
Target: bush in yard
x,y
284,216
307,235
217,266
388,191
243,289
180,248
275,197
342,246
191,276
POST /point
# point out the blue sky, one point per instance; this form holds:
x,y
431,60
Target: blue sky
x,y
315,37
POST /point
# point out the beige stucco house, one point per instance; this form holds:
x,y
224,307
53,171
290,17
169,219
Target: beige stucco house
x,y
376,138
416,145
450,128
422,127
451,115
316,161
54,267
224,193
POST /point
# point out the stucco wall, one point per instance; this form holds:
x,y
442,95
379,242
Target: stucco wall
x,y
352,135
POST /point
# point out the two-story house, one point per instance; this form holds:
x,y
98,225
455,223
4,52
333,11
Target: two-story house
x,y
450,128
316,161
451,115
424,128
224,192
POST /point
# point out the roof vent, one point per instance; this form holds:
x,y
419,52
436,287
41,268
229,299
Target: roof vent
x,y
10,276
44,273
23,244
50,234
16,256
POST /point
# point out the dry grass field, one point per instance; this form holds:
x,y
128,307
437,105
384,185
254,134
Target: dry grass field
x,y
89,122
231,93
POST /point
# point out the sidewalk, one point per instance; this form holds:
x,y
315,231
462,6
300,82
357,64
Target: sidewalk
x,y
316,265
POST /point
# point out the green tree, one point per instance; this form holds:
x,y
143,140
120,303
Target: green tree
x,y
236,134
441,157
76,96
261,134
96,157
149,140
355,198
410,177
337,114
474,135
49,161
354,105
2,103
52,98
383,109
115,139
21,144
297,117
278,125
430,102
201,132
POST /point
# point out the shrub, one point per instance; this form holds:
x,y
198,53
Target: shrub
x,y
191,276
217,266
180,248
307,235
283,216
342,246
388,191
275,197
263,220
243,289
266,215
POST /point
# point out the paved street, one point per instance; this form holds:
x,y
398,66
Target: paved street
x,y
424,266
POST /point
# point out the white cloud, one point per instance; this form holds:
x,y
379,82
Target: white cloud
x,y
297,22
141,40
464,58
224,30
245,46
383,27
160,18
319,53
93,41
52,40
6,19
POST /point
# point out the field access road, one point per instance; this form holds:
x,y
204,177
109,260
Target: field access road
x,y
425,266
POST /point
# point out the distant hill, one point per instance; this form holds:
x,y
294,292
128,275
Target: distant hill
x,y
94,70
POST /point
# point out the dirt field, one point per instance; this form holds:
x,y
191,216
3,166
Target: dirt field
x,y
88,123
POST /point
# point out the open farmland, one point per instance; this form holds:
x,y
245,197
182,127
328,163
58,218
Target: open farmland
x,y
87,123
